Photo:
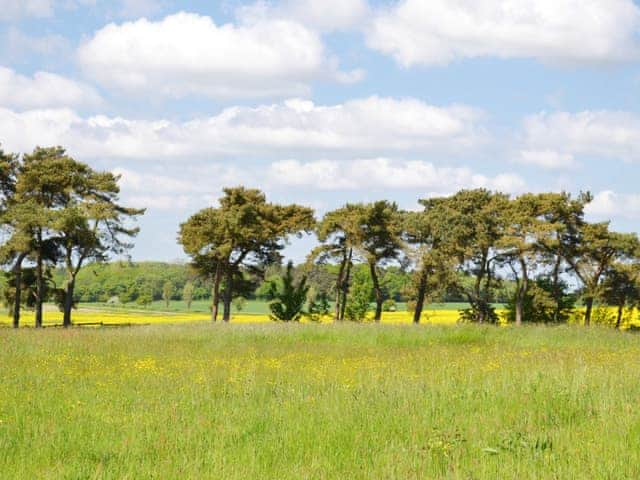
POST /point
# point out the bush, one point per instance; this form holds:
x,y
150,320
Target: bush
x,y
389,305
359,297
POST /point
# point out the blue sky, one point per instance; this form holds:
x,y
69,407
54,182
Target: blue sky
x,y
326,102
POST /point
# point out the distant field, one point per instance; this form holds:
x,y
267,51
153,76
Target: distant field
x,y
276,401
250,307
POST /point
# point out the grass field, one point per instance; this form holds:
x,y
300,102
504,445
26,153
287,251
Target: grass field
x,y
251,307
275,401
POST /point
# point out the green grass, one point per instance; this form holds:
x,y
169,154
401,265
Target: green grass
x,y
319,401
256,307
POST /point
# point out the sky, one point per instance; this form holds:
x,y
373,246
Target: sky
x,y
325,102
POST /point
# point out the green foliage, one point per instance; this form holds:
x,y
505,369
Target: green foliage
x,y
319,306
145,297
239,303
245,231
167,292
289,298
541,304
187,294
265,290
469,225
389,305
127,280
360,296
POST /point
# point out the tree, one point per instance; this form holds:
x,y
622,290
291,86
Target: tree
x,y
187,294
565,217
289,297
359,296
542,304
73,215
42,189
471,222
339,233
167,292
596,251
245,231
379,241
433,263
525,229
91,225
16,249
621,287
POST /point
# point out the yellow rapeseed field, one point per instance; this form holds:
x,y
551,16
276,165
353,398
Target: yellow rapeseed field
x,y
131,317
97,316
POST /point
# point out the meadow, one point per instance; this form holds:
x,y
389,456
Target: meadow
x,y
197,400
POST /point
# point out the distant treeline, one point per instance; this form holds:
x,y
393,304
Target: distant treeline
x,y
144,282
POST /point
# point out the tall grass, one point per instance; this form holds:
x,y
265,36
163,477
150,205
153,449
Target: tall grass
x,y
319,401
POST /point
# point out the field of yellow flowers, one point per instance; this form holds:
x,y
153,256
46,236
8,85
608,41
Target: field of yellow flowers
x,y
114,317
274,401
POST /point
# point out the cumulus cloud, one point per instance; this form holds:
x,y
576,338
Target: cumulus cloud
x,y
608,204
416,32
368,126
385,173
548,159
188,54
154,189
44,90
593,134
177,191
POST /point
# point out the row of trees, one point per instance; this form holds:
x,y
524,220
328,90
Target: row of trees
x,y
58,212
55,210
467,243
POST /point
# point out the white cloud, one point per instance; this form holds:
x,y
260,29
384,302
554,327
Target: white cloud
x,y
548,159
595,134
325,15
567,31
385,173
295,128
608,204
154,189
44,90
14,9
179,190
188,54
17,47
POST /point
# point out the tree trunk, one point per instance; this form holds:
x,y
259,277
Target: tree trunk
x,y
620,312
519,309
345,284
68,302
339,281
523,286
587,313
556,290
378,291
39,284
422,291
215,294
228,295
17,271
